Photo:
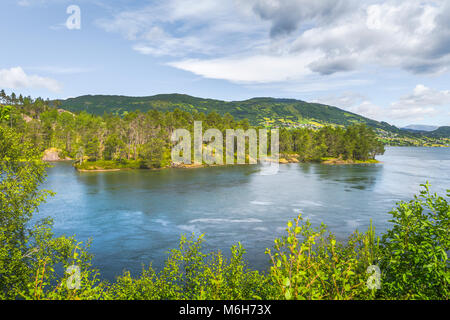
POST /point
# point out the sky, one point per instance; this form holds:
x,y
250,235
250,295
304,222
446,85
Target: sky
x,y
386,60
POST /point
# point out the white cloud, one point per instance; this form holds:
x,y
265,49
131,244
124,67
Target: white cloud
x,y
185,27
209,37
355,103
345,35
251,69
423,96
422,102
370,110
408,35
16,78
345,100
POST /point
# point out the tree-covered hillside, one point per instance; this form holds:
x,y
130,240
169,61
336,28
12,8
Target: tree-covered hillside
x,y
144,139
259,111
441,132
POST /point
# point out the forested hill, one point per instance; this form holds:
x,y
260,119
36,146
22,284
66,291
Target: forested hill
x,y
441,132
259,111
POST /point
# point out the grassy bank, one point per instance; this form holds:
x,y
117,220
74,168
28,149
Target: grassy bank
x,y
109,165
117,165
338,161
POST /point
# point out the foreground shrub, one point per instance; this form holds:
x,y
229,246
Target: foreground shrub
x,y
310,264
191,274
414,262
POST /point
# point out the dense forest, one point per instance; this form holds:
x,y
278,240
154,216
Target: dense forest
x,y
143,139
282,113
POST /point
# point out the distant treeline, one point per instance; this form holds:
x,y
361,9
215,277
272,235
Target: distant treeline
x,y
356,142
146,137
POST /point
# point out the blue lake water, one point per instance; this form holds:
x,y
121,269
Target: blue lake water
x,y
134,217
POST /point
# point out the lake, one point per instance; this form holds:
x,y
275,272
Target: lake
x,y
134,217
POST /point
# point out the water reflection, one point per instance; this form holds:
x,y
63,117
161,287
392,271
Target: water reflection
x,y
353,176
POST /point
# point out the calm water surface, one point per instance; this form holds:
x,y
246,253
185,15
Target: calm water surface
x,y
135,217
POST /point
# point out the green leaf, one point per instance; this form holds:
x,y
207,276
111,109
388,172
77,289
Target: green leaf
x,y
288,294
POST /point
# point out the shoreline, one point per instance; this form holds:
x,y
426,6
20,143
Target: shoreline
x,y
100,170
285,160
336,161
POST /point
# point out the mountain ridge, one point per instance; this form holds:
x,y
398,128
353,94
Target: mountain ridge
x,y
263,111
258,110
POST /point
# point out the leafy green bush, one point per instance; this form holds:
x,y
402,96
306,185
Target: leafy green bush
x,y
50,254
191,274
318,267
414,252
29,254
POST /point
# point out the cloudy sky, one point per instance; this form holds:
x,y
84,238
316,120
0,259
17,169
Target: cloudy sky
x,y
387,60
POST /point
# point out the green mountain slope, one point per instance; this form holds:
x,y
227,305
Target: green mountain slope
x,y
441,132
259,111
